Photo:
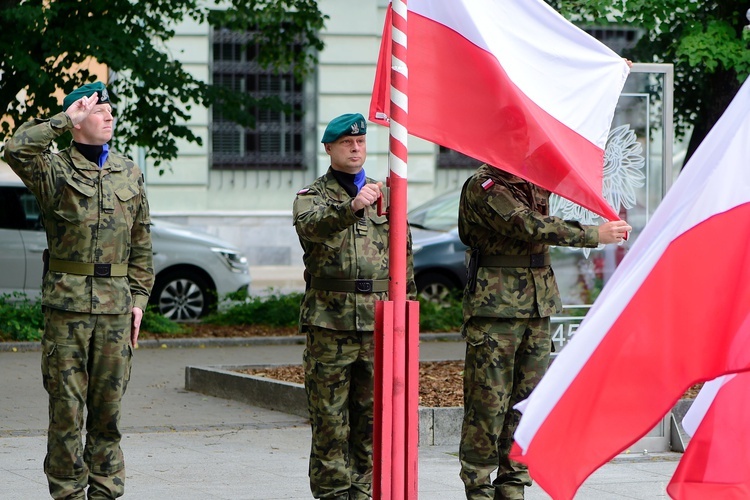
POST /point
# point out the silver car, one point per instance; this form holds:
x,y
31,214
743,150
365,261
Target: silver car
x,y
439,268
193,269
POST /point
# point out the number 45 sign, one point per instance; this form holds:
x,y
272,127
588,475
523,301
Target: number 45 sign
x,y
563,329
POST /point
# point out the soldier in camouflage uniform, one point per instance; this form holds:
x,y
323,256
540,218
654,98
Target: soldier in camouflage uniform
x,y
345,245
508,300
95,289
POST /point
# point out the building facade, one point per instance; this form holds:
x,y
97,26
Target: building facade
x,y
240,185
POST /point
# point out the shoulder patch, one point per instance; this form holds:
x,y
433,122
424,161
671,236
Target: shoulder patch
x,y
488,184
303,190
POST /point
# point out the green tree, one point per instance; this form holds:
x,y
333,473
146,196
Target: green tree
x,y
46,44
705,40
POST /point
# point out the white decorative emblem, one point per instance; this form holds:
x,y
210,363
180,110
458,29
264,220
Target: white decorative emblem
x,y
355,129
622,175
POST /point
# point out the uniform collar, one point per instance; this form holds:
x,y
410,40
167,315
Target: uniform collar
x,y
83,163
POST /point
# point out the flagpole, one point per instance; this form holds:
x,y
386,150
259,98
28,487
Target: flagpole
x,y
397,328
397,218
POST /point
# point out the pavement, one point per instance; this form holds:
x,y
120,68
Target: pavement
x,y
181,444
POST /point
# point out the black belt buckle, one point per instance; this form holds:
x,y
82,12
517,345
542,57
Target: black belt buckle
x,y
537,260
363,286
102,270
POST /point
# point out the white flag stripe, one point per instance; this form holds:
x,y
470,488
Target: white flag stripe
x,y
702,403
568,53
700,192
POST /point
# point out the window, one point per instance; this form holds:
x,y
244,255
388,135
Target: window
x,y
276,142
18,209
448,158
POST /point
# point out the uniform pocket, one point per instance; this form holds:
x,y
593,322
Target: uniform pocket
x,y
50,369
77,199
128,367
380,234
125,197
475,332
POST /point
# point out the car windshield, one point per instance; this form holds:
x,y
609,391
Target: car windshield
x,y
438,214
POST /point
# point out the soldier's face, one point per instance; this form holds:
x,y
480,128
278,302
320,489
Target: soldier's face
x,y
348,153
96,129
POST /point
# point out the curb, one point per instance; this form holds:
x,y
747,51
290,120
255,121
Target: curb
x,y
219,342
437,426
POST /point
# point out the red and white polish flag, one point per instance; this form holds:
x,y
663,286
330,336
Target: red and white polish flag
x,y
510,83
716,463
675,312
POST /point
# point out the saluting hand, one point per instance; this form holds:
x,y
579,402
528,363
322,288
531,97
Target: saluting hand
x,y
79,110
367,196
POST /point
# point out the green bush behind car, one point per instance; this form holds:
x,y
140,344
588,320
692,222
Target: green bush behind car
x,y
21,319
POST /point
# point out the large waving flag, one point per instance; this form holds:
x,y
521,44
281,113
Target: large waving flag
x,y
675,312
716,463
510,83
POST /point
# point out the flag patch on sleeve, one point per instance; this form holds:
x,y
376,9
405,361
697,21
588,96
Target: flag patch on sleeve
x,y
488,184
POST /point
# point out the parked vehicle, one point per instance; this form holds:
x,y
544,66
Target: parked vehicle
x,y
439,268
193,269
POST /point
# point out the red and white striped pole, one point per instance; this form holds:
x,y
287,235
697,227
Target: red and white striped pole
x,y
396,435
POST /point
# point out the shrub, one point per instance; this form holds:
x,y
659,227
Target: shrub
x,y
440,317
153,322
283,310
20,318
273,310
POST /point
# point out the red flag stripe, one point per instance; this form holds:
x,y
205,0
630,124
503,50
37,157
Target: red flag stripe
x,y
463,98
676,311
493,120
716,463
650,345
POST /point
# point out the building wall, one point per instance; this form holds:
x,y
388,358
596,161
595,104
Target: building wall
x,y
252,209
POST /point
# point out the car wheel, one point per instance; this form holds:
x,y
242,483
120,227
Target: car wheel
x,y
182,295
435,287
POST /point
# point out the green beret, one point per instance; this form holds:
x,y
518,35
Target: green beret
x,y
349,124
86,91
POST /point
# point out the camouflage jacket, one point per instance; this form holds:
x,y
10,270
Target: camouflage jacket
x,y
501,214
339,244
90,215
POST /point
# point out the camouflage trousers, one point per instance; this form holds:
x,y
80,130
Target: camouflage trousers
x,y
505,359
86,362
339,377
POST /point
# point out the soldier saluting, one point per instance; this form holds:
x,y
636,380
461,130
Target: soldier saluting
x,y
100,274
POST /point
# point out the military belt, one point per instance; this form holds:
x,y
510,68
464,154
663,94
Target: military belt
x,y
88,269
350,286
534,260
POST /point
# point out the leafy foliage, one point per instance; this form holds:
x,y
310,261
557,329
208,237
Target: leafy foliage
x,y
20,318
273,310
48,46
440,317
705,40
153,322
